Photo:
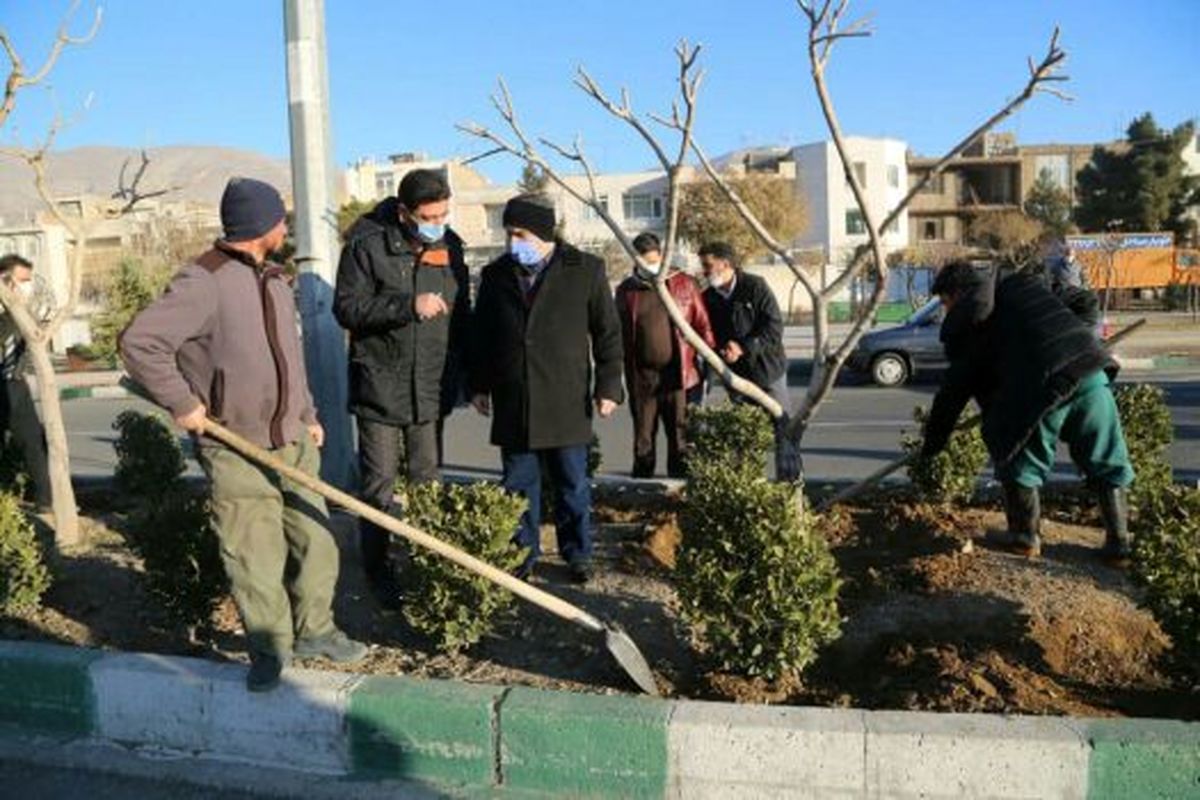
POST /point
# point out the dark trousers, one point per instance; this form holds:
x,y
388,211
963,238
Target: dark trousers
x,y
381,447
789,465
652,399
567,467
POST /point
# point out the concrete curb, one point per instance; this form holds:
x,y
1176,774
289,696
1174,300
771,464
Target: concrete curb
x,y
348,730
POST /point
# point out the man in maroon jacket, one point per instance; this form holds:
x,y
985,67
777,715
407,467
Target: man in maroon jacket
x,y
660,365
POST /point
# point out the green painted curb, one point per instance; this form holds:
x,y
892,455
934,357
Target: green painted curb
x,y
584,745
437,731
1143,759
47,687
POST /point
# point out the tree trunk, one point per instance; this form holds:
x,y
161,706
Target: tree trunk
x,y
66,516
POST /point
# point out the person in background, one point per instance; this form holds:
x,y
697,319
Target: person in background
x,y
547,357
402,293
17,410
660,365
749,333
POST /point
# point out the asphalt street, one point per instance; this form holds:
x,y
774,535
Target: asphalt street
x,y
857,431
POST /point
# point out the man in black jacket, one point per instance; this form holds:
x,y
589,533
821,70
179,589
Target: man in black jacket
x,y
748,328
1038,375
544,314
403,294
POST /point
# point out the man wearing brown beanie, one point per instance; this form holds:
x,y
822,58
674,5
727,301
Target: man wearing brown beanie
x,y
543,316
222,342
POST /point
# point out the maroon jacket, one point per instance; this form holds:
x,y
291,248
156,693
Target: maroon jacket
x,y
686,293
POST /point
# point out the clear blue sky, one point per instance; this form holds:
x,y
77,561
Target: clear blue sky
x,y
403,73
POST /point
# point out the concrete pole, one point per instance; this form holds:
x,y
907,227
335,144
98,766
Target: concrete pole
x,y
316,231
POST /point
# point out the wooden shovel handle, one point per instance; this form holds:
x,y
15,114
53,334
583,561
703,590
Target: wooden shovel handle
x,y
554,605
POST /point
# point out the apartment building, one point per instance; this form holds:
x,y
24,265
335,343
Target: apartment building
x,y
993,174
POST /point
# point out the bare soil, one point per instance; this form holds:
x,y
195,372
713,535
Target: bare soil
x,y
937,617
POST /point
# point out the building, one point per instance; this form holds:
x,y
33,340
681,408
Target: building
x,y
994,174
836,225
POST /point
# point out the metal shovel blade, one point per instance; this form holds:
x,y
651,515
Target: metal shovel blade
x,y
630,658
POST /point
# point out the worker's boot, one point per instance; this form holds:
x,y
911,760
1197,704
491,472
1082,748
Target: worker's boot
x,y
1114,510
1023,508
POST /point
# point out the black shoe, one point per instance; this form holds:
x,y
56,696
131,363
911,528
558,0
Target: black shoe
x,y
335,646
1023,508
1114,510
525,571
264,674
386,588
581,571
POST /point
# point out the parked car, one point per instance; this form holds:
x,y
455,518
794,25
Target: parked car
x,y
892,356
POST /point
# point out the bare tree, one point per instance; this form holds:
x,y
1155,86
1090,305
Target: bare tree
x,y
825,28
38,333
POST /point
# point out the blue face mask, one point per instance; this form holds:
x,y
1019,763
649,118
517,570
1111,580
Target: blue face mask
x,y
430,232
526,254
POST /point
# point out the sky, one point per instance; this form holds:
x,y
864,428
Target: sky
x,y
402,74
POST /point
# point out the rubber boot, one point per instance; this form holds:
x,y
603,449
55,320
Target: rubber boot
x,y
1114,510
1023,508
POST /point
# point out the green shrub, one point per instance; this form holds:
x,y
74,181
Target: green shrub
x,y
951,475
181,555
1146,423
23,576
170,525
149,458
453,606
1167,563
756,582
737,431
14,476
131,288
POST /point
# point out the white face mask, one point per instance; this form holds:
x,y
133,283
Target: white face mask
x,y
25,289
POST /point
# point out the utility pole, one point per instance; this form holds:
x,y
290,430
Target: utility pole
x,y
316,231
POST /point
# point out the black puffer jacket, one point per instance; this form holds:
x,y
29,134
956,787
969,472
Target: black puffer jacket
x,y
751,318
535,359
402,370
1019,351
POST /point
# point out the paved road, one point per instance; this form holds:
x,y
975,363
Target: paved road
x,y
856,432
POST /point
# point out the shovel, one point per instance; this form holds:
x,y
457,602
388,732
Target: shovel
x,y
618,643
971,422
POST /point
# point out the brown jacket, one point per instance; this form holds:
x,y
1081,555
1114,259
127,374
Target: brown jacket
x,y
225,334
686,294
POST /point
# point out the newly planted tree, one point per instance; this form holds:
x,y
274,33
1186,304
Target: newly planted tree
x,y
38,333
825,28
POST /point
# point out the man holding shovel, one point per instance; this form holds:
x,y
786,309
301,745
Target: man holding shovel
x,y
222,341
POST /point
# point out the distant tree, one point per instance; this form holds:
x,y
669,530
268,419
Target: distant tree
x,y
1141,186
348,214
533,179
1049,205
705,213
1011,235
130,289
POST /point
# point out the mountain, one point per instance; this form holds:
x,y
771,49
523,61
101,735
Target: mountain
x,y
201,173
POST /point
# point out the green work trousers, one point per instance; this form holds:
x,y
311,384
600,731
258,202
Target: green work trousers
x,y
281,558
1088,422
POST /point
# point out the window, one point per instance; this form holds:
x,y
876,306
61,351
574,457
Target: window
x,y
893,176
936,184
642,206
932,230
854,223
1057,167
860,172
589,213
385,184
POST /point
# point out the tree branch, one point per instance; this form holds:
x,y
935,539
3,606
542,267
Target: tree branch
x,y
17,78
